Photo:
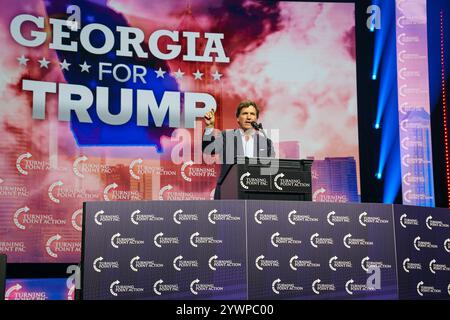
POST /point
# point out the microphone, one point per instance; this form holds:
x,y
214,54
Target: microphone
x,y
256,126
259,127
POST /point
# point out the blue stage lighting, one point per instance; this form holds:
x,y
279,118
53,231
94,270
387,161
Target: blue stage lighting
x,y
374,77
378,175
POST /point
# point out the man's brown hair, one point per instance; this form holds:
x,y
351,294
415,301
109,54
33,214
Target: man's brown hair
x,y
246,104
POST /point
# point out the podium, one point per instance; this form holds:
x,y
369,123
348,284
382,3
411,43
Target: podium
x,y
248,179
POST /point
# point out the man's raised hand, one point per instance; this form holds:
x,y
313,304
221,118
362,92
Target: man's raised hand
x,y
209,119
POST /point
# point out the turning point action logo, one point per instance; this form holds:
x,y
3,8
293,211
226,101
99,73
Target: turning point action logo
x,y
366,264
100,217
16,217
262,263
404,221
318,287
19,160
278,287
197,287
132,164
136,264
293,218
408,265
214,216
68,192
241,180
276,240
54,245
183,168
261,217
364,219
294,263
34,165
275,181
434,266
94,168
430,223
137,217
76,219
179,263
159,240
349,241
50,191
118,194
334,263
115,288
195,240
117,241
99,264
418,244
175,194
214,263
316,241
332,218
179,217
49,243
447,245
351,287
422,289
22,218
159,287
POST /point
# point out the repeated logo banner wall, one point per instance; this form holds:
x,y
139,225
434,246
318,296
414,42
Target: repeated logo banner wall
x,y
423,252
103,101
192,250
248,249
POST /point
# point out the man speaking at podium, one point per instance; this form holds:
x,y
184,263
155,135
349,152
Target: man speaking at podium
x,y
246,141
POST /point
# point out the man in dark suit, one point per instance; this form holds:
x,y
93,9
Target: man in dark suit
x,y
244,141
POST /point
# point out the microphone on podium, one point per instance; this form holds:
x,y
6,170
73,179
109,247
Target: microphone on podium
x,y
256,126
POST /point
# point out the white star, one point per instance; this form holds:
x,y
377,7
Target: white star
x,y
22,60
160,73
216,75
85,67
179,74
198,75
65,65
43,63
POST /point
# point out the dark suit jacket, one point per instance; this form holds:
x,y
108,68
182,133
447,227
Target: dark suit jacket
x,y
228,144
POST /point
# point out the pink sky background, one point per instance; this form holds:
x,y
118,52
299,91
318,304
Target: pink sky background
x,y
296,60
303,75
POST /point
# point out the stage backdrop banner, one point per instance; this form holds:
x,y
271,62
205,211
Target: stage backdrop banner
x,y
258,250
423,252
300,250
414,103
104,101
165,250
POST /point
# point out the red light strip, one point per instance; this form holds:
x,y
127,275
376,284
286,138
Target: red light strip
x,y
444,109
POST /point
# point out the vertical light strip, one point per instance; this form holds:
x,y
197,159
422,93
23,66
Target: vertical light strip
x,y
414,103
444,108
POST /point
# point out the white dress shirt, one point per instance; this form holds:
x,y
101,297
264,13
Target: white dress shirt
x,y
248,141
